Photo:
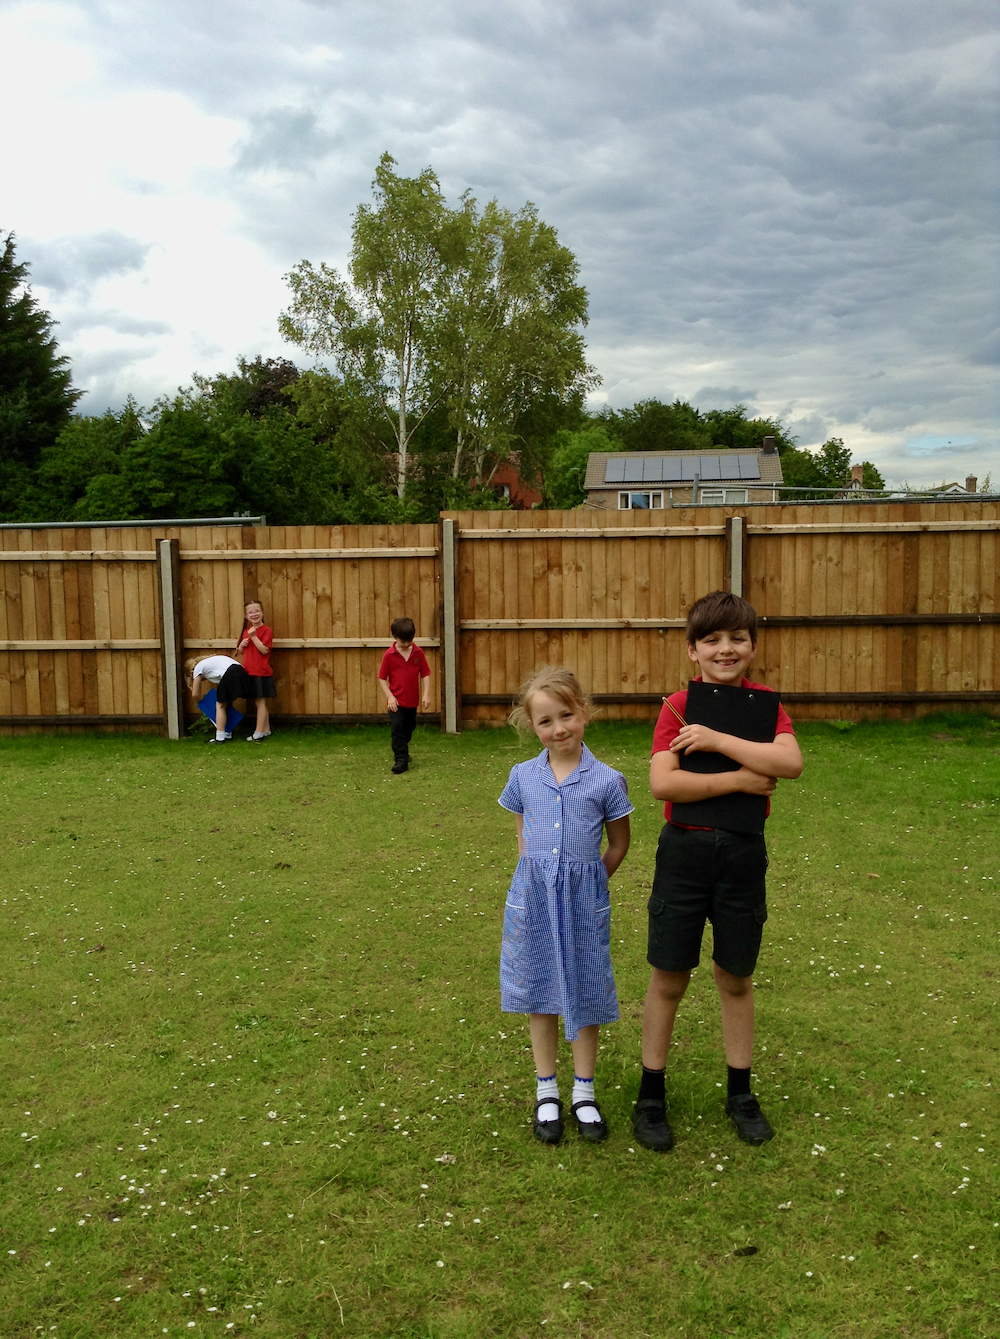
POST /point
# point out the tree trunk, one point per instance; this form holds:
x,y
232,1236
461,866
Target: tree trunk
x,y
456,468
401,478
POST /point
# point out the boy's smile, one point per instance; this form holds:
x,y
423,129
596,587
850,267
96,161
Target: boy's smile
x,y
723,656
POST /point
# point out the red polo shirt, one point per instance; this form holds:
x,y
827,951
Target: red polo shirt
x,y
253,662
403,674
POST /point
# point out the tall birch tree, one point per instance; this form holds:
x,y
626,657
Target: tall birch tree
x,y
478,311
508,331
376,323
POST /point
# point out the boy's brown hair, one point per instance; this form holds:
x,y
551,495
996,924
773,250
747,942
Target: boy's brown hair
x,y
403,629
720,612
558,682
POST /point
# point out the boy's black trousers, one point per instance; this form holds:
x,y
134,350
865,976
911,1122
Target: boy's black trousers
x,y
402,723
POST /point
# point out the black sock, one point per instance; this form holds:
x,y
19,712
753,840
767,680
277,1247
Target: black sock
x,y
653,1086
738,1081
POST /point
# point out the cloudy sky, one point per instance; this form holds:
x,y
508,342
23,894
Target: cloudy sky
x,y
786,202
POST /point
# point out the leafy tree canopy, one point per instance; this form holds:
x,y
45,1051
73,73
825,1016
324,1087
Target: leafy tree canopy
x,y
568,468
828,467
476,312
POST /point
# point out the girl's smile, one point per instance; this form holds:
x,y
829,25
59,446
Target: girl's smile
x,y
559,727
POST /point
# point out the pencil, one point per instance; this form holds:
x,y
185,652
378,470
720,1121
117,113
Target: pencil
x,y
675,711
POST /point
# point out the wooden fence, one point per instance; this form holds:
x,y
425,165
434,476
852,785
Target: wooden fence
x,y
866,609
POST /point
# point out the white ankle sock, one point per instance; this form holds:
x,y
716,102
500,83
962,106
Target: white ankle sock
x,y
547,1092
583,1091
220,736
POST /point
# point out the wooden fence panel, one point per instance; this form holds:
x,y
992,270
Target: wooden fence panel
x,y
864,608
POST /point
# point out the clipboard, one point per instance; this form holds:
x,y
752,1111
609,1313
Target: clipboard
x,y
748,713
207,708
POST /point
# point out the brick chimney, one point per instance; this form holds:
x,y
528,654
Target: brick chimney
x,y
857,476
768,446
970,483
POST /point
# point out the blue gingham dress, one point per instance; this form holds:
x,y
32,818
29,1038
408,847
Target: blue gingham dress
x,y
556,954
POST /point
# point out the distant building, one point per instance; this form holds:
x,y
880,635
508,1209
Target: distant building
x,y
957,489
507,483
651,480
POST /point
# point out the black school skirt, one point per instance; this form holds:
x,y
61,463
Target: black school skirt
x,y
261,685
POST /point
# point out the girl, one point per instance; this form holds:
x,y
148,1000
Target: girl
x,y
255,643
556,956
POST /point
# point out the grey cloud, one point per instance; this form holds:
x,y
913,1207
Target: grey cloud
x,y
120,322
283,138
988,351
77,262
813,430
723,397
91,367
781,195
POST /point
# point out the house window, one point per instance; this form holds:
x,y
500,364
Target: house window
x,y
502,490
640,501
723,497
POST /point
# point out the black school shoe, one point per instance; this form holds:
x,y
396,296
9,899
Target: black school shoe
x,y
752,1125
650,1125
596,1131
400,765
548,1131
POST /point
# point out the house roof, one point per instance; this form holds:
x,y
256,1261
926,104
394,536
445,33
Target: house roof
x,y
738,465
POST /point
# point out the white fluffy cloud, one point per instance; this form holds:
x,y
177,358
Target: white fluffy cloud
x,y
772,201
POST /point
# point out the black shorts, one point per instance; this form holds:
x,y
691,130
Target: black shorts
x,y
712,875
235,683
261,685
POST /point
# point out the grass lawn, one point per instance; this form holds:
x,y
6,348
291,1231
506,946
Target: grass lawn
x,y
255,1078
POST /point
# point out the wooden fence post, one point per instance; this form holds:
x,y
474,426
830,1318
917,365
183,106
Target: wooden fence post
x,y
450,703
736,555
168,572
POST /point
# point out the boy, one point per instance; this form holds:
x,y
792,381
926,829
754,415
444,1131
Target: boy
x,y
403,666
705,872
229,679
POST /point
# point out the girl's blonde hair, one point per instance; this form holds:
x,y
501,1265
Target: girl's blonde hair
x,y
560,683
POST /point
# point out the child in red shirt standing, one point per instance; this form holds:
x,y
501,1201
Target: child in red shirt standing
x,y
399,675
709,873
255,643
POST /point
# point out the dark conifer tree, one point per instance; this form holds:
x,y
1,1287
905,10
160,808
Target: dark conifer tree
x,y
36,394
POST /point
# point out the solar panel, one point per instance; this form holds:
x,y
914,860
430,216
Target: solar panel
x,y
677,468
729,467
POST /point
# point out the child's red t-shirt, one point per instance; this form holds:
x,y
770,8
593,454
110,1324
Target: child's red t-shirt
x,y
404,674
668,727
253,662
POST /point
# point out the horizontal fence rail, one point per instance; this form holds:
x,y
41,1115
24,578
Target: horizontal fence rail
x,y
886,609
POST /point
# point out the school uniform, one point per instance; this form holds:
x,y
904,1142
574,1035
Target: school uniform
x,y
556,954
258,664
403,675
706,874
228,676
